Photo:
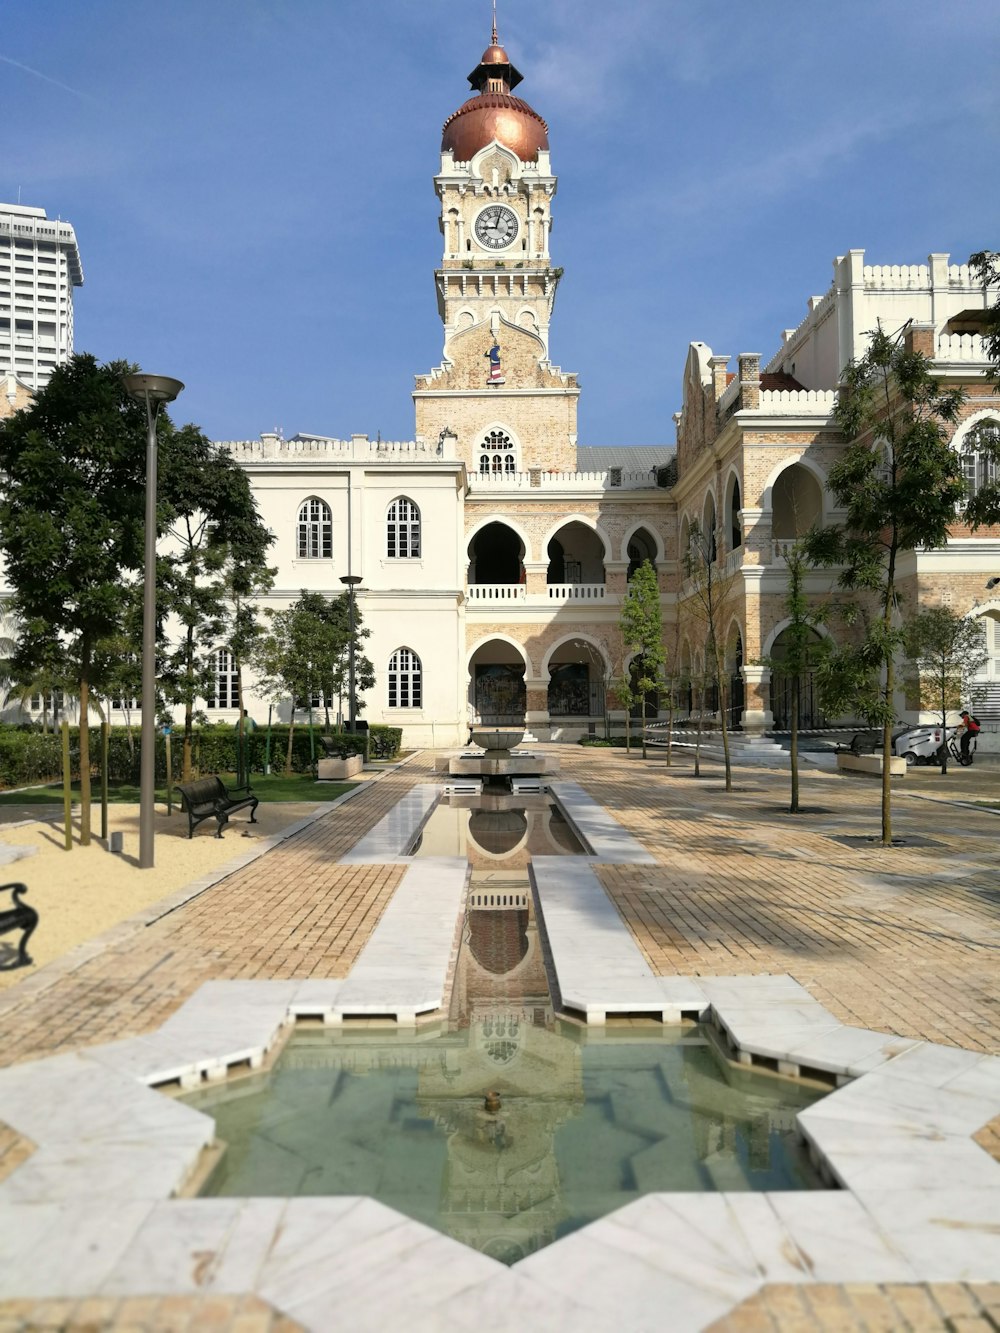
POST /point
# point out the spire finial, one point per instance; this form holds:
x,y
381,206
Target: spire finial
x,y
494,22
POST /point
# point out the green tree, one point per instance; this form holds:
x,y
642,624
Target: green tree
x,y
899,482
802,653
947,650
245,583
303,653
216,557
986,266
710,609
364,673
641,626
72,475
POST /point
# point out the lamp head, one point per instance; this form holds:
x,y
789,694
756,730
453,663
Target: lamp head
x,y
992,583
153,388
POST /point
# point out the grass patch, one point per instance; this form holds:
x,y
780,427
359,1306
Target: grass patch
x,y
274,787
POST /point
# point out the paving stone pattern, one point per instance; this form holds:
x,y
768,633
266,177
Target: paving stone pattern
x,y
299,914
905,940
886,1307
149,1314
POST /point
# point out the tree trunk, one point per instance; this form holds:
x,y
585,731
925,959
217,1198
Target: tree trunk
x,y
628,731
670,729
796,686
890,680
697,735
242,776
84,746
186,769
723,718
644,726
291,733
186,766
943,752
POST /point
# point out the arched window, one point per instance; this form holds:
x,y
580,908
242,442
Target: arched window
x,y
979,456
225,692
315,530
498,456
405,679
402,530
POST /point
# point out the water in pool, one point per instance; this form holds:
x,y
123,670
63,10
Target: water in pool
x,y
586,1121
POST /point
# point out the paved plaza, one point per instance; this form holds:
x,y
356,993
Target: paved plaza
x,y
904,941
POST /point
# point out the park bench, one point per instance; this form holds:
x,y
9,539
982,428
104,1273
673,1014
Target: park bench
x,y
209,798
864,742
19,917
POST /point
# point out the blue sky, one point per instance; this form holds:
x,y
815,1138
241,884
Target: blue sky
x,y
250,181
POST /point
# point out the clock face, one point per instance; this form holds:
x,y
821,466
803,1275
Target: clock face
x,y
496,227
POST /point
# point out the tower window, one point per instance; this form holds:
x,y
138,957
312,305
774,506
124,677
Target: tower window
x,y
499,457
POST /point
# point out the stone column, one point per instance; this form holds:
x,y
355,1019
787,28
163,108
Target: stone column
x,y
757,715
536,712
616,577
535,572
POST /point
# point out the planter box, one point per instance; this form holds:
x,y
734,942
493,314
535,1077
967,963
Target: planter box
x,y
871,763
339,770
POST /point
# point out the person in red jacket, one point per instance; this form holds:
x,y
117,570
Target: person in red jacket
x,y
970,728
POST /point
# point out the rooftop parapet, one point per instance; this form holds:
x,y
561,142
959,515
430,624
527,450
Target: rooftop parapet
x,y
272,447
610,479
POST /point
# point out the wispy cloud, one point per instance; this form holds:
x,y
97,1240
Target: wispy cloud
x,y
56,83
590,61
777,170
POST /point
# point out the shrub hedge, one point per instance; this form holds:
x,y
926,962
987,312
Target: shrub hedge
x,y
28,757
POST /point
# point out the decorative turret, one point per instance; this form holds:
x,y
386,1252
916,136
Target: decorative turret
x,y
494,113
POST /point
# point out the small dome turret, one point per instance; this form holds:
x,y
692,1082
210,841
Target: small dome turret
x,y
494,113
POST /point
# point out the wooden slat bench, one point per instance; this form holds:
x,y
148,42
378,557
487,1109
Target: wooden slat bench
x,y
209,798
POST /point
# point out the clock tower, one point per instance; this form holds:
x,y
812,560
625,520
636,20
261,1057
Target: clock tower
x,y
496,388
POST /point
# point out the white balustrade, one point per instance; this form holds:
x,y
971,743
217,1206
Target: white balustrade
x,y
496,592
961,347
576,592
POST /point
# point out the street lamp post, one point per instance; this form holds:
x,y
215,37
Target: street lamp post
x,y
352,581
151,390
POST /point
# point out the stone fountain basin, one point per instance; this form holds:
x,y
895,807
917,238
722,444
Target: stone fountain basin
x,y
497,738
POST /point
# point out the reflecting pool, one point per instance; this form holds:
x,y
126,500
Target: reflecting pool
x,y
584,1124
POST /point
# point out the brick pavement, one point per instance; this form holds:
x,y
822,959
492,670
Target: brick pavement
x,y
292,913
905,940
146,1314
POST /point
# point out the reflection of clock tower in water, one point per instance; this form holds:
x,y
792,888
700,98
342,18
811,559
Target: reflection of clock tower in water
x,y
496,389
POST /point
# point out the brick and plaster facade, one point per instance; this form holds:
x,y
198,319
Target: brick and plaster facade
x,y
512,604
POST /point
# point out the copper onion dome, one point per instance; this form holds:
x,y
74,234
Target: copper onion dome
x,y
494,114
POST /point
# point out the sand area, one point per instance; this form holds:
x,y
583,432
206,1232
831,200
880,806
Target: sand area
x,y
81,893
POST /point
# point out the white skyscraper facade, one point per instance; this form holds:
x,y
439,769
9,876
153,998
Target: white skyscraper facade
x,y
39,267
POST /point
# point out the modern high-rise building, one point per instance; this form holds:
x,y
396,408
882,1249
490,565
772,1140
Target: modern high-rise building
x,y
39,267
